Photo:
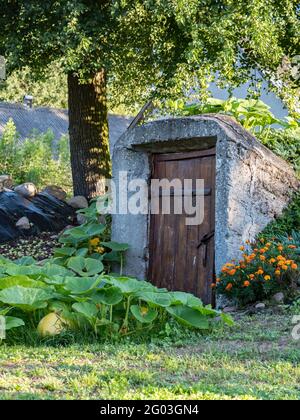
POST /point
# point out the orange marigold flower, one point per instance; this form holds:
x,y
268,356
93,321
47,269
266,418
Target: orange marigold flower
x,y
277,273
272,260
213,285
252,276
260,272
285,267
267,278
242,248
280,248
262,251
232,272
246,283
262,258
229,287
294,266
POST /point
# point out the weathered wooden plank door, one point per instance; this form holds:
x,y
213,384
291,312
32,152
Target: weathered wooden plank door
x,y
182,256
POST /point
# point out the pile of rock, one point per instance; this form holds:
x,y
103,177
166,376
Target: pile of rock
x,y
25,210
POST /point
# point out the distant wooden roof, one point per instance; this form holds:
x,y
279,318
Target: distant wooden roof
x,y
28,120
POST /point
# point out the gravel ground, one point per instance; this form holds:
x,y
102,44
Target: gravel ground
x,y
39,247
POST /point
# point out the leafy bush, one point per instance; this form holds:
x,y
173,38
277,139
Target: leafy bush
x,y
286,144
38,159
288,222
90,240
266,268
255,116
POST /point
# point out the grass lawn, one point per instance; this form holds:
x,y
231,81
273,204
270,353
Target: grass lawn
x,y
256,359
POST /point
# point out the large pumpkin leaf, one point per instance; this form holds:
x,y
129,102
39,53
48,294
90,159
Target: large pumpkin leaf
x,y
85,267
87,309
163,299
108,296
81,285
23,270
143,314
25,261
50,270
25,298
64,251
23,281
127,285
12,322
189,317
115,246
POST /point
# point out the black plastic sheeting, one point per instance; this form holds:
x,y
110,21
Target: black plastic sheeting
x,y
45,212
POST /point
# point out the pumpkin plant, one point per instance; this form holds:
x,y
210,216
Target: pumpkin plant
x,y
107,304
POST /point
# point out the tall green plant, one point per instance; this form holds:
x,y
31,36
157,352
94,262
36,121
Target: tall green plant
x,y
38,159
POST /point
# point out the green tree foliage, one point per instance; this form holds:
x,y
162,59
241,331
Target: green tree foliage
x,y
147,48
48,91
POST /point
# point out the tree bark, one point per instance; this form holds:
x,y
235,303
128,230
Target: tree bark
x,y
89,136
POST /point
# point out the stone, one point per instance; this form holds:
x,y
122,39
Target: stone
x,y
78,202
229,309
23,223
56,192
81,219
6,182
260,306
27,190
278,297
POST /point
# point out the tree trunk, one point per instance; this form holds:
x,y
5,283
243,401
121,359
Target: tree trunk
x,y
89,138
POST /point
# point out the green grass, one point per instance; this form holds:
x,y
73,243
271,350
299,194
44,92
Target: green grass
x,y
256,359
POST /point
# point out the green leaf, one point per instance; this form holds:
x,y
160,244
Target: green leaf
x,y
145,315
85,266
81,285
25,261
163,299
12,322
24,281
64,252
25,298
115,246
112,256
108,296
126,284
87,309
82,252
227,319
190,317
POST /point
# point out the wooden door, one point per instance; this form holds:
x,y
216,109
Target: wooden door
x,y
182,256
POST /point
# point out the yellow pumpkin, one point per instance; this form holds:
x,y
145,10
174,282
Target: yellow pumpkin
x,y
51,324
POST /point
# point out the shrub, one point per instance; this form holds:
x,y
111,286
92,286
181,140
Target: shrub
x,y
38,159
265,269
288,222
255,116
